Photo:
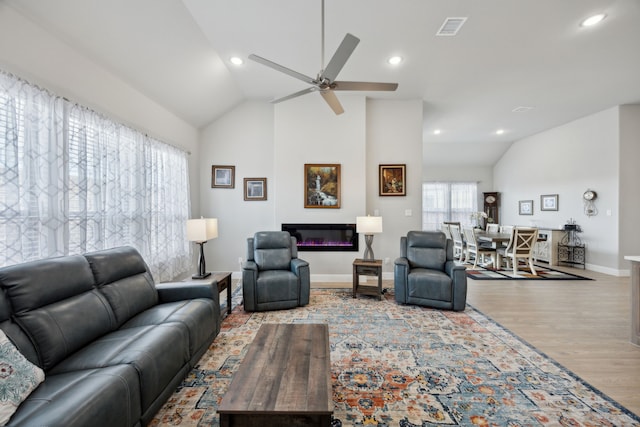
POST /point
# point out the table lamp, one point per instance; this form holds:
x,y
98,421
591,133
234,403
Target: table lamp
x,y
199,231
368,225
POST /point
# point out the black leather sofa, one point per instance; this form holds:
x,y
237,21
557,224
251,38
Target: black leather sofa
x,y
113,345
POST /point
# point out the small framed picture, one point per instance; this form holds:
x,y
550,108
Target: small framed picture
x,y
223,176
392,180
255,188
549,202
525,207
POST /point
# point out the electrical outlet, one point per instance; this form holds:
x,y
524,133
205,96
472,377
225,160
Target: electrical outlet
x,y
386,260
239,260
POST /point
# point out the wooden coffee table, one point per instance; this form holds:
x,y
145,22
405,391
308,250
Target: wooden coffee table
x,y
284,380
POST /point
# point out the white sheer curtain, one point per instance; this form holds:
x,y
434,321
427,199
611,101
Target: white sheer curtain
x,y
448,201
74,181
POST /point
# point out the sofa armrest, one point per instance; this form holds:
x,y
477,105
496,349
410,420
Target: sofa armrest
x,y
179,291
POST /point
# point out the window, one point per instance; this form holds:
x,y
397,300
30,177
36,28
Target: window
x,y
448,201
74,181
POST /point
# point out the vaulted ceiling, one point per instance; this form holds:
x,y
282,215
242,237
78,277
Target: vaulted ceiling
x,y
508,55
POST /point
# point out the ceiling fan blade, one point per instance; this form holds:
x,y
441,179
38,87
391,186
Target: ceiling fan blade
x,y
282,69
294,95
340,58
332,100
364,86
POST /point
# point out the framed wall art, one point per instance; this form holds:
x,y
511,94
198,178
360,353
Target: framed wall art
x,y
255,189
392,180
549,202
525,207
223,176
321,185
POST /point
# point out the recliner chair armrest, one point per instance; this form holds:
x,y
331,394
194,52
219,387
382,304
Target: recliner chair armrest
x,y
450,268
402,261
401,270
296,264
458,274
300,268
250,265
249,280
179,291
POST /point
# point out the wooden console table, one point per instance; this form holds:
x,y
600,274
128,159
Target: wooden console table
x,y
635,298
284,380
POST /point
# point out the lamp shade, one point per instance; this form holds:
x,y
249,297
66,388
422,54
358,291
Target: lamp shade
x,y
369,224
202,229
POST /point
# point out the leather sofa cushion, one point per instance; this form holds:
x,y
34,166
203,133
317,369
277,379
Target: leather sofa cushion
x,y
158,353
124,279
198,316
48,297
430,284
55,402
38,283
427,250
54,328
272,250
273,286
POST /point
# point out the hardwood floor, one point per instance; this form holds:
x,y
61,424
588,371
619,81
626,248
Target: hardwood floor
x,y
583,325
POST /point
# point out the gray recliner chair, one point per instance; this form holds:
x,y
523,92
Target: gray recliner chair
x,y
426,274
273,277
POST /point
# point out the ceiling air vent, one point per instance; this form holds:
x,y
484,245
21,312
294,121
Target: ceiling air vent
x,y
451,26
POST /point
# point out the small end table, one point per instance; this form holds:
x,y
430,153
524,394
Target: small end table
x,y
223,280
363,267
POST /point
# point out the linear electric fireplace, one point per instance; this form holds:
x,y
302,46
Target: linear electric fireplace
x,y
324,237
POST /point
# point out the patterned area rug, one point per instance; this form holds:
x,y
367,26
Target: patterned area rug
x,y
395,365
524,273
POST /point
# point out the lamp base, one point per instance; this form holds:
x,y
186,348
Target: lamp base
x,y
198,276
368,252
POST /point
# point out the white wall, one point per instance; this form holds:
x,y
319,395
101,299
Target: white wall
x,y
29,52
394,136
275,142
242,138
568,160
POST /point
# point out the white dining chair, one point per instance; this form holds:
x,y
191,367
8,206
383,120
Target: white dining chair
x,y
459,245
478,251
520,247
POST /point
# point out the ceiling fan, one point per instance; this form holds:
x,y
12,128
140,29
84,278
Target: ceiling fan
x,y
325,82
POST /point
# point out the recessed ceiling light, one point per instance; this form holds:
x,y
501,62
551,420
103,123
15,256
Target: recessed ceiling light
x,y
437,132
499,131
235,60
395,60
593,20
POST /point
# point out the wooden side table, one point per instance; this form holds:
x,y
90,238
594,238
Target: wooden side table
x,y
363,267
223,280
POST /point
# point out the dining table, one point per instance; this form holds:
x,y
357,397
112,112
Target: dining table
x,y
493,238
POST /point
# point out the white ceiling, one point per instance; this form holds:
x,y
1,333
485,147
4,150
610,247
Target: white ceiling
x,y
508,54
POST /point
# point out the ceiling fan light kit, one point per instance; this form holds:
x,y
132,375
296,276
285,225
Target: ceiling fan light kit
x,y
325,82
